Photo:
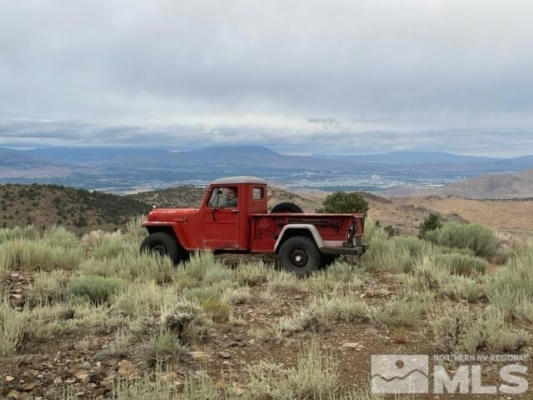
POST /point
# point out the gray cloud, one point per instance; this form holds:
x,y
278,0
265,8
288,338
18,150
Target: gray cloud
x,y
298,76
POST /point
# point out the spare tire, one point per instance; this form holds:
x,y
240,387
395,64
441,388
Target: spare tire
x,y
286,207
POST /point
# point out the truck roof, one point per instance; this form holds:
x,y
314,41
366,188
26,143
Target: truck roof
x,y
239,179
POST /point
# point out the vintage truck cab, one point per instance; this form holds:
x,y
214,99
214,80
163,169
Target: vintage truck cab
x,y
234,217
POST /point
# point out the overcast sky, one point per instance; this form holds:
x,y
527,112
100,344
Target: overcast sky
x,y
354,76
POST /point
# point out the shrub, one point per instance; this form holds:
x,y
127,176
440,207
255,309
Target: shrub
x,y
314,377
431,222
131,266
186,319
218,310
511,289
340,278
462,265
397,254
482,241
405,312
27,232
462,287
165,344
28,255
48,287
11,328
96,289
392,230
344,202
281,280
252,274
320,313
58,236
162,389
237,296
141,299
203,267
428,275
106,245
455,330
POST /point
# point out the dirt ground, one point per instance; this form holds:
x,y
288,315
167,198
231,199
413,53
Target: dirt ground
x,y
406,213
43,368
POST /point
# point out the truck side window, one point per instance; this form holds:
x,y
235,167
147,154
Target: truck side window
x,y
223,197
257,193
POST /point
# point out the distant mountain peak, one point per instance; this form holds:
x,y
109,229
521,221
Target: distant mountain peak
x,y
235,148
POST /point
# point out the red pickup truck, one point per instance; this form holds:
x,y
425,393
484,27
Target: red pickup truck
x,y
234,217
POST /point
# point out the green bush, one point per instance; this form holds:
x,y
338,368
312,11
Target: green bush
x,y
48,287
459,264
165,344
314,377
404,312
427,275
397,254
218,310
35,255
511,289
481,240
392,230
186,319
132,266
11,329
431,222
456,330
344,202
27,232
96,289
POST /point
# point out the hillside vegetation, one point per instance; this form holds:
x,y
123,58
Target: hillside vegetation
x,y
77,209
92,317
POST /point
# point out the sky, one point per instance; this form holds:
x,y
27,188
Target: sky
x,y
350,77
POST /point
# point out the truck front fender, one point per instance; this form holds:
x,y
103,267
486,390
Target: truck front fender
x,y
286,231
170,228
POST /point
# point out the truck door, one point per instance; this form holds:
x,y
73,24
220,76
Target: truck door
x,y
221,222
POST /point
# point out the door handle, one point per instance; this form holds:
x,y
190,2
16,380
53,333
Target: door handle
x,y
234,211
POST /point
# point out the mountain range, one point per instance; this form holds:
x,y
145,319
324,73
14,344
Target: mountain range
x,y
134,169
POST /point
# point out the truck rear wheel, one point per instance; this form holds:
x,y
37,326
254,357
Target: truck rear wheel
x,y
300,256
165,245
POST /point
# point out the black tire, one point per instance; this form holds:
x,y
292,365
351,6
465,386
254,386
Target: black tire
x,y
286,207
165,245
300,256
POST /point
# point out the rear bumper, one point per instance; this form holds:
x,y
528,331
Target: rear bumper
x,y
353,251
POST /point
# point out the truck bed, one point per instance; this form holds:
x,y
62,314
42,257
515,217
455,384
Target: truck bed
x,y
265,229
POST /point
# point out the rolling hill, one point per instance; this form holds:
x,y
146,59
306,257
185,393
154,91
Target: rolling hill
x,y
77,209
493,186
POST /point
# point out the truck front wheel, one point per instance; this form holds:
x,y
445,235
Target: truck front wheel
x,y
165,245
300,256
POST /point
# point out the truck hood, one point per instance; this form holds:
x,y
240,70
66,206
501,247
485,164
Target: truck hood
x,y
170,214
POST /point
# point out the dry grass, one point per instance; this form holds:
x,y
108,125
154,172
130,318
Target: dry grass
x,y
100,285
11,329
459,330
